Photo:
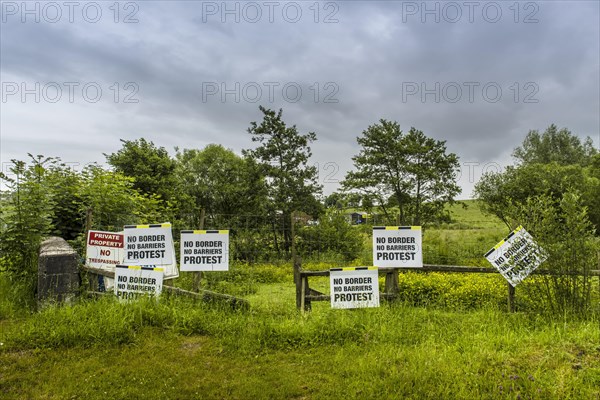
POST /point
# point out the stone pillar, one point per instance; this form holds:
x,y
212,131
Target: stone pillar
x,y
58,274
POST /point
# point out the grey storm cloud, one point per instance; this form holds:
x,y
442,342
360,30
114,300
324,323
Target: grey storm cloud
x,y
198,76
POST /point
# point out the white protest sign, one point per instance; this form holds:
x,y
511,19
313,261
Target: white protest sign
x,y
133,281
204,250
516,256
397,247
149,244
104,250
354,287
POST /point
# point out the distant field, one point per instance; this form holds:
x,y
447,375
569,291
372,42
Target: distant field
x,y
468,214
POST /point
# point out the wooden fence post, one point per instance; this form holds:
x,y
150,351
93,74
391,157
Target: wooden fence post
x,y
94,280
391,283
293,250
298,282
89,219
511,298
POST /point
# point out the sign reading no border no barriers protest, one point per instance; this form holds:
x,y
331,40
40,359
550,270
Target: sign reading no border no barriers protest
x,y
148,244
397,247
517,256
132,281
204,250
151,245
354,287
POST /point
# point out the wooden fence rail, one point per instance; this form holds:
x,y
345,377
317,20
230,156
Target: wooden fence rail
x,y
305,295
204,295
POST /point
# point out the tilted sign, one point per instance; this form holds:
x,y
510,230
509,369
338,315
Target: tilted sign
x,y
148,244
132,281
204,250
397,246
104,250
354,287
516,256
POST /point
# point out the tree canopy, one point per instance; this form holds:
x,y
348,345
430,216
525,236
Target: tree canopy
x,y
151,167
219,181
554,145
551,165
283,155
407,170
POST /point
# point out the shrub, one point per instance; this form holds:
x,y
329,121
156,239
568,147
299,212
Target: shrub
x,y
561,227
332,236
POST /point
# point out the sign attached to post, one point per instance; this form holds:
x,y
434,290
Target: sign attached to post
x,y
516,256
104,250
397,247
133,281
149,244
204,250
354,287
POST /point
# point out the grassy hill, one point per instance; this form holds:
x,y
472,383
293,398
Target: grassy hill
x,y
467,213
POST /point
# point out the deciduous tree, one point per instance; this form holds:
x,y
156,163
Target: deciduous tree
x,y
554,145
151,167
414,170
283,155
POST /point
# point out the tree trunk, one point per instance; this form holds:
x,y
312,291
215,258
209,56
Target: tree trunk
x,y
275,234
287,237
417,219
400,208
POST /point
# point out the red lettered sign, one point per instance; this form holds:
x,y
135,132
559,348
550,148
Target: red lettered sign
x,y
104,250
105,239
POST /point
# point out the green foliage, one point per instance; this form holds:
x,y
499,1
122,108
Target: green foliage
x,y
25,218
254,245
243,279
283,155
497,191
332,235
16,297
114,201
64,187
47,198
561,227
549,164
411,169
392,352
220,182
554,145
459,246
454,291
151,167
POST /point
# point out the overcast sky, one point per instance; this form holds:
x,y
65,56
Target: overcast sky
x,y
77,77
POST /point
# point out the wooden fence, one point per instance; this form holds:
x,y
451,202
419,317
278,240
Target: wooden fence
x,y
305,295
200,294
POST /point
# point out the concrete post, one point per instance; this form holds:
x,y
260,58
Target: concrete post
x,y
58,274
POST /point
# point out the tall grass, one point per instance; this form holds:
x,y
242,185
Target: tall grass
x,y
109,322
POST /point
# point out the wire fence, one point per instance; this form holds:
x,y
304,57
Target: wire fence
x,y
332,240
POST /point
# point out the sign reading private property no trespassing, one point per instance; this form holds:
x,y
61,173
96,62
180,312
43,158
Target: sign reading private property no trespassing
x,y
397,247
104,250
148,244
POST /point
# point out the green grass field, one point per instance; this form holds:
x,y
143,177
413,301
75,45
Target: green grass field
x,y
449,337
